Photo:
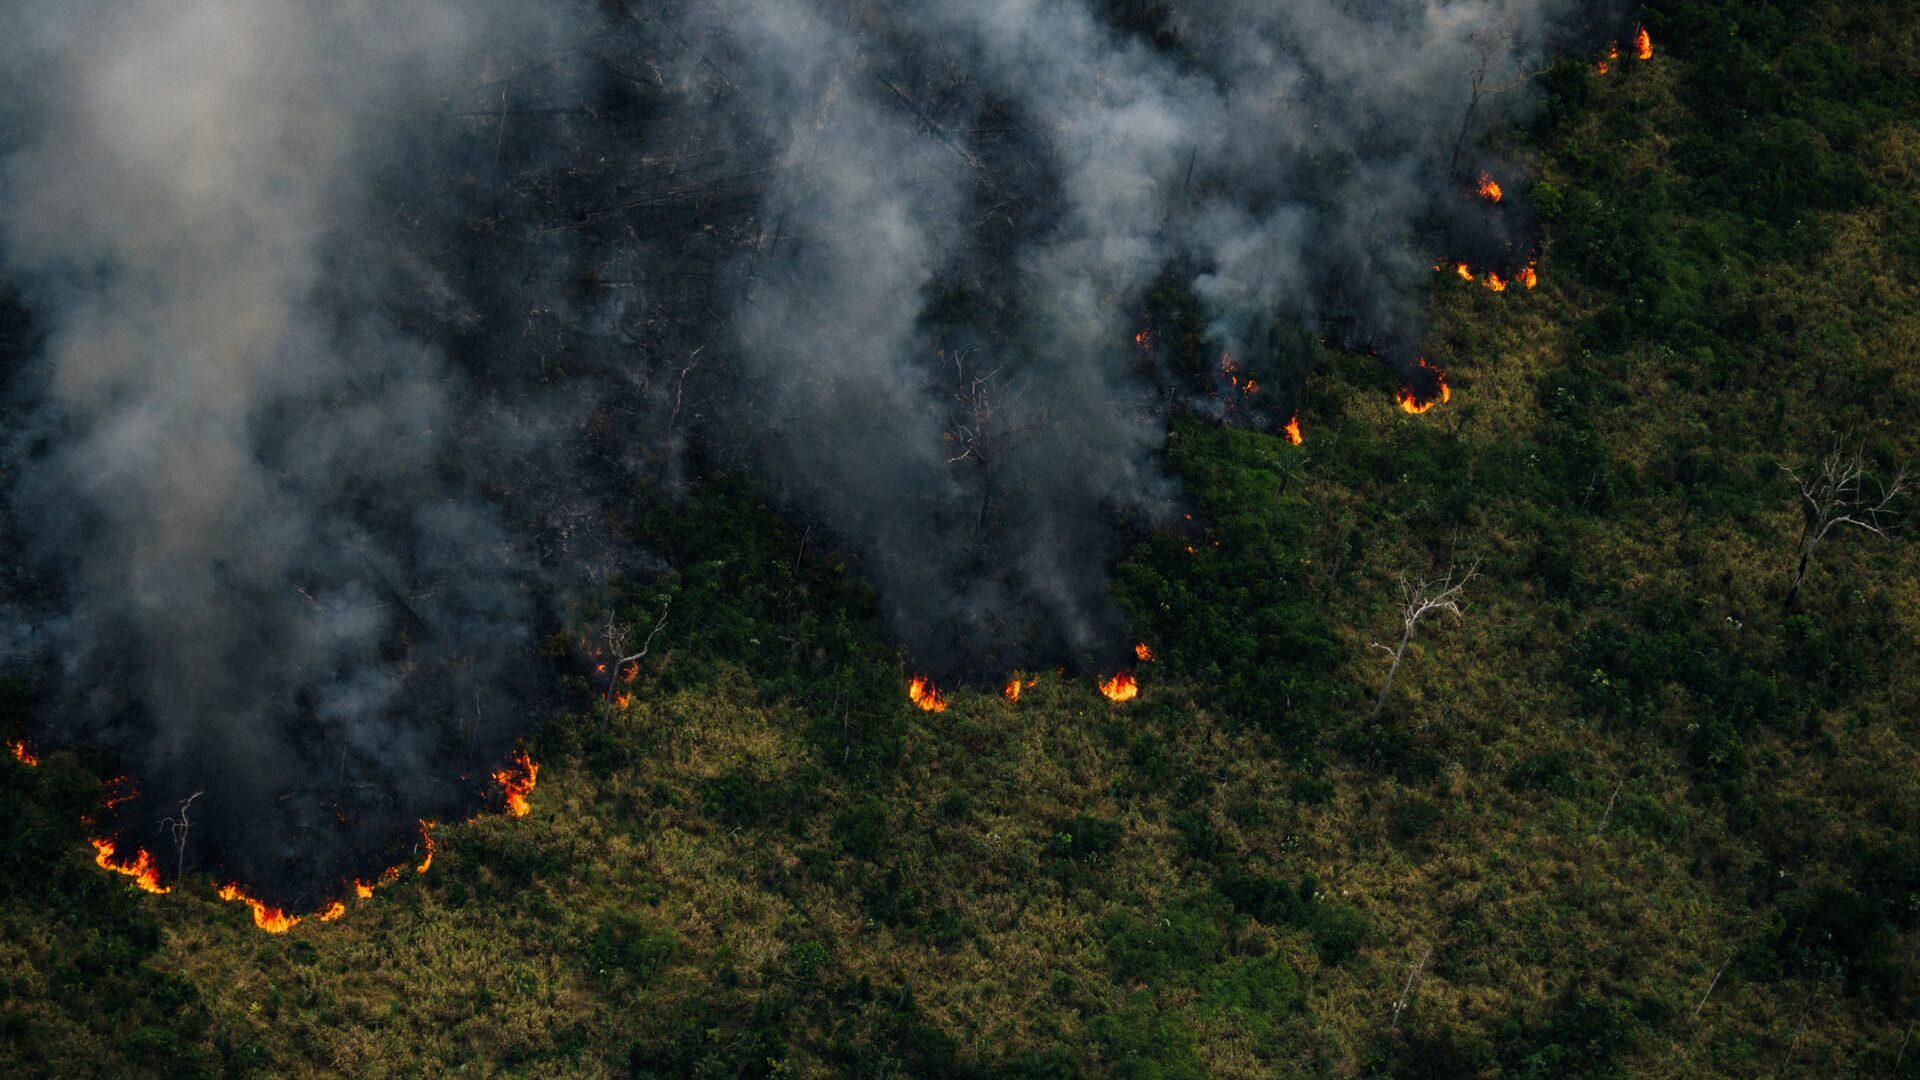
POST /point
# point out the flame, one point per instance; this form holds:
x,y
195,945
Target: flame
x,y
922,692
426,830
1489,188
1643,45
1012,690
141,867
1495,282
621,701
332,912
1411,402
1120,688
1144,339
1465,271
1291,430
1613,56
1143,651
18,747
1527,277
516,787
265,916
364,889
630,672
1252,387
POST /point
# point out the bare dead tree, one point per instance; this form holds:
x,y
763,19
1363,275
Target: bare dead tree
x,y
1413,978
617,640
1420,602
178,827
1833,493
1487,44
989,425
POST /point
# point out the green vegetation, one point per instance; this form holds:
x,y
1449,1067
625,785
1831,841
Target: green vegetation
x,y
1628,817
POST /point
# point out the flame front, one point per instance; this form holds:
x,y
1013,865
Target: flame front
x,y
922,692
1465,271
1291,429
517,787
141,867
1496,282
1411,402
1643,45
1527,277
265,916
332,912
1489,188
18,748
1120,688
1143,651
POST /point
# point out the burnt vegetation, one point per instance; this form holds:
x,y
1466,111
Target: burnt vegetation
x,y
1647,809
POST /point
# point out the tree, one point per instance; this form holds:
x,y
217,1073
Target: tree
x,y
1487,44
988,425
1420,602
1832,494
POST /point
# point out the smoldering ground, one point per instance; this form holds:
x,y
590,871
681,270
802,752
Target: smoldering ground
x,y
354,332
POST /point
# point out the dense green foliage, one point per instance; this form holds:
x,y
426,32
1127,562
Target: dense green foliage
x,y
1630,815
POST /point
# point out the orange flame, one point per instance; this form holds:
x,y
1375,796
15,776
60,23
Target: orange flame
x,y
1495,282
141,867
1465,271
426,833
922,692
332,912
1527,277
1012,690
621,701
1643,45
1291,429
1143,651
1144,339
1613,56
265,916
1120,688
18,747
1413,403
516,787
1489,188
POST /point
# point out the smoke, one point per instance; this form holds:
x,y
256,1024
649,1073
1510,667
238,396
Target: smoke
x,y
356,328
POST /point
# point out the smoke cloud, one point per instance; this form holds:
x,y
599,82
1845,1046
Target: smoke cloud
x,y
348,333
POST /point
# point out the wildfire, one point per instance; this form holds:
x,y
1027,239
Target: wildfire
x,y
1495,282
1613,57
1291,429
1144,339
1527,277
1143,651
364,889
426,829
332,912
922,692
1643,45
1120,688
1414,403
265,916
1489,188
141,867
517,787
18,747
1012,690
1465,271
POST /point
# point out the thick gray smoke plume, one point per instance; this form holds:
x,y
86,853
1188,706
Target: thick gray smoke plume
x,y
349,328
